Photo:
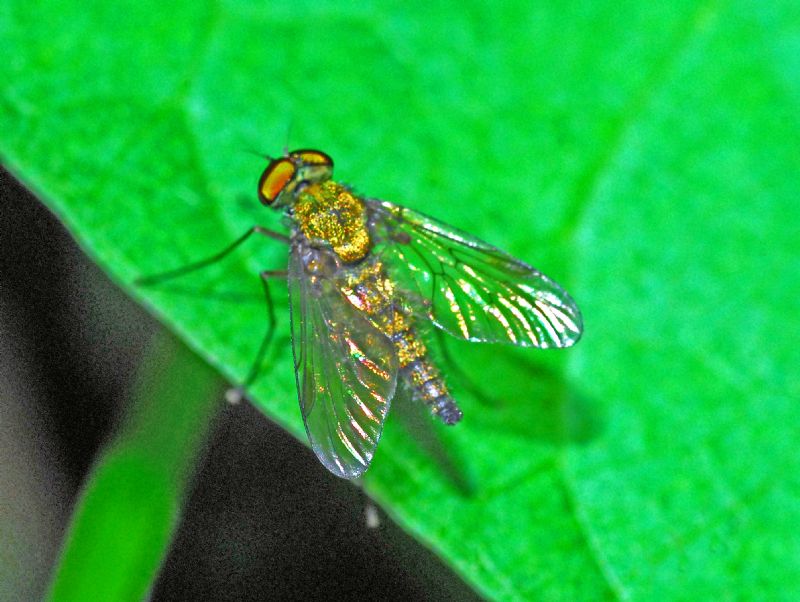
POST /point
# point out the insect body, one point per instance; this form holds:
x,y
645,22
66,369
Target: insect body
x,y
362,275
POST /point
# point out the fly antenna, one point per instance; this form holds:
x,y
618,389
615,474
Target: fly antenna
x,y
289,127
258,154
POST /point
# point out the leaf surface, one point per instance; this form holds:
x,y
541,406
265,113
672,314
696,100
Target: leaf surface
x,y
643,155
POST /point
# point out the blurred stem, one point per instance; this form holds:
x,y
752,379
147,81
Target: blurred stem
x,y
131,502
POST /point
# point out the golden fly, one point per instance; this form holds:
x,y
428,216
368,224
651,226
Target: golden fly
x,y
363,275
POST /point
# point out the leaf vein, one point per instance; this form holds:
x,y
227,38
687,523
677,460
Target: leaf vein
x,y
587,184
590,540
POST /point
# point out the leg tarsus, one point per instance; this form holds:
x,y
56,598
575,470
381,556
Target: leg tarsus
x,y
262,350
235,395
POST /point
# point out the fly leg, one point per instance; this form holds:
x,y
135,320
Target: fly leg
x,y
203,263
235,395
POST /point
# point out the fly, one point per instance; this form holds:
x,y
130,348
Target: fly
x,y
363,275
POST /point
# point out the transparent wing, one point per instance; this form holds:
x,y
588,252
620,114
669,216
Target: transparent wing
x,y
473,290
346,373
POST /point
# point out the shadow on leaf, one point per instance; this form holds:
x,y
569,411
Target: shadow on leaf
x,y
415,418
518,394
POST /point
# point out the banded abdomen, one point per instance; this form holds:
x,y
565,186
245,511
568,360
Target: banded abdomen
x,y
370,289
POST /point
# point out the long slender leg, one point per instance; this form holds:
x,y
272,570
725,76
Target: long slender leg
x,y
235,395
262,350
158,278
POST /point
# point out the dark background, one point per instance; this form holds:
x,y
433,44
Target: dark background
x,y
263,520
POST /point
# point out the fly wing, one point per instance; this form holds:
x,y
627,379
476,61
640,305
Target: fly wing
x,y
346,372
471,289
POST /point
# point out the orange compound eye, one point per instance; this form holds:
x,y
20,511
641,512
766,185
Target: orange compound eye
x,y
312,157
274,179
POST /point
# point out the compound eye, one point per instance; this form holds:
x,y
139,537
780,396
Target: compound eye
x,y
274,179
312,157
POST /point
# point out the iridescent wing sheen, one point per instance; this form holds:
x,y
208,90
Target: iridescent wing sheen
x,y
346,372
471,289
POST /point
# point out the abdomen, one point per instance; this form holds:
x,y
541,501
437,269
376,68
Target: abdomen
x,y
371,290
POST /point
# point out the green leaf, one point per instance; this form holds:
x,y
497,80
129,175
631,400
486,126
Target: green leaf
x,y
131,503
643,154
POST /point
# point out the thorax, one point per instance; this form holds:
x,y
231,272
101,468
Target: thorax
x,y
329,213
